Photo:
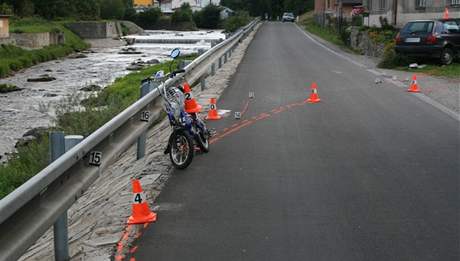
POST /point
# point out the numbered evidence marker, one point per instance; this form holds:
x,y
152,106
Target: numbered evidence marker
x,y
145,116
95,158
237,115
138,198
251,95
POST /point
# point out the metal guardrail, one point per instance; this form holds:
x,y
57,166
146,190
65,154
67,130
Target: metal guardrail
x,y
30,210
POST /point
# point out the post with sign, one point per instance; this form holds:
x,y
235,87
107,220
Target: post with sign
x,y
59,144
145,116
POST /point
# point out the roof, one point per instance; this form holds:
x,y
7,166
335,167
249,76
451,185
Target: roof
x,y
4,16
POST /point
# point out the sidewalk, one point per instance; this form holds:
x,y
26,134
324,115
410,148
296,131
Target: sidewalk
x,y
445,91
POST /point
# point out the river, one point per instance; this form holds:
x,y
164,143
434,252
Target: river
x,y
34,106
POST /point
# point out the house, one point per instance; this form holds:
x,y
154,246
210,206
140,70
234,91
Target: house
x,y
325,9
4,26
399,12
143,3
168,6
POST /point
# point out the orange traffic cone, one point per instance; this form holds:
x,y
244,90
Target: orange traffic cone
x,y
413,87
191,106
141,212
314,98
446,13
212,113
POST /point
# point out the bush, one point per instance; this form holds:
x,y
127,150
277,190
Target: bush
x,y
391,59
112,9
237,21
6,9
208,17
148,19
357,20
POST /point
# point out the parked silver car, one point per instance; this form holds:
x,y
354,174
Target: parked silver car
x,y
288,17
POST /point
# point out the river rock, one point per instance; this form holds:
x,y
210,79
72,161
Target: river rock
x,y
42,78
6,88
50,94
77,56
91,88
135,67
36,132
153,61
24,141
129,50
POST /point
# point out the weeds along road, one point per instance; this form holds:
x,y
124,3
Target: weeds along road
x,y
369,173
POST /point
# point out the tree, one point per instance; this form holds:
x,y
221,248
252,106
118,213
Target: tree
x,y
148,19
208,17
112,9
183,14
51,9
87,9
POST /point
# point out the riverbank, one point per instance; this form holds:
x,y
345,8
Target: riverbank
x,y
13,58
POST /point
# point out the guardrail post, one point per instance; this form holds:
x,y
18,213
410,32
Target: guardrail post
x,y
213,69
145,89
58,146
220,62
203,83
225,57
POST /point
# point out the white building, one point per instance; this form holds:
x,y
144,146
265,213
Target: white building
x,y
168,6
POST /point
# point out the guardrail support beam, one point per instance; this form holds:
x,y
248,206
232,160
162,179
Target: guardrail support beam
x,y
220,62
213,69
203,83
225,57
58,146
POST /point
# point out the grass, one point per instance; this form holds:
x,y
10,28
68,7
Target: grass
x,y
91,115
307,21
450,71
13,58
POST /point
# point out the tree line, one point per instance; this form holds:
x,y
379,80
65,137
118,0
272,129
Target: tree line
x,y
271,8
78,9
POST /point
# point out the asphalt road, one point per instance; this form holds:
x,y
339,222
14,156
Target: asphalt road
x,y
370,173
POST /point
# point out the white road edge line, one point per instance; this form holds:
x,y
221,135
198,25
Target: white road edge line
x,y
421,96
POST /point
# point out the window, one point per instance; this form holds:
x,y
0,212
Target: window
x,y
421,3
455,2
382,4
418,27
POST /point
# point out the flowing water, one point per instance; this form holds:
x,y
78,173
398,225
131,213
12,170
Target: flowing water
x,y
33,106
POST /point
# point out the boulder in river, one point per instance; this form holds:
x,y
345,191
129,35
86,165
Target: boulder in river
x,y
77,56
135,67
129,50
42,78
91,88
24,141
36,132
5,88
153,61
50,94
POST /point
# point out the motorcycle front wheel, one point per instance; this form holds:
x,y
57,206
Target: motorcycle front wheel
x,y
182,149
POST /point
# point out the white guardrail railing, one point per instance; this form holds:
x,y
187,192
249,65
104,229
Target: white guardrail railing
x,y
30,210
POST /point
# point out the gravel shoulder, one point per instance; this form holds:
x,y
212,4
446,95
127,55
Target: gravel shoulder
x,y
97,222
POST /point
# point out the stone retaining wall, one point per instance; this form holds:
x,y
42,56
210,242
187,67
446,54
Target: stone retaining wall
x,y
360,40
37,40
96,30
